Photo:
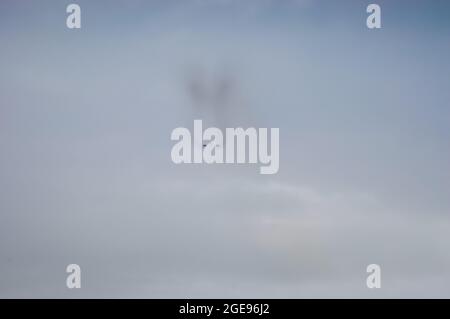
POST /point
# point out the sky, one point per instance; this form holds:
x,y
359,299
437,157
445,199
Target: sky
x,y
86,175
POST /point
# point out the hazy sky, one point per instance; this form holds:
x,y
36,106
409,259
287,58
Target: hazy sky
x,y
86,175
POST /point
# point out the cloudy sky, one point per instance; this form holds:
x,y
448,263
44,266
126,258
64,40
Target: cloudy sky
x,y
86,175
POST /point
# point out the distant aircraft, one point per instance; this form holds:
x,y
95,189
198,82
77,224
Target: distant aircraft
x,y
204,145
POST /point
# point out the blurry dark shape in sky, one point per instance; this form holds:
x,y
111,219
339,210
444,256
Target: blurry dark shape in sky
x,y
214,95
